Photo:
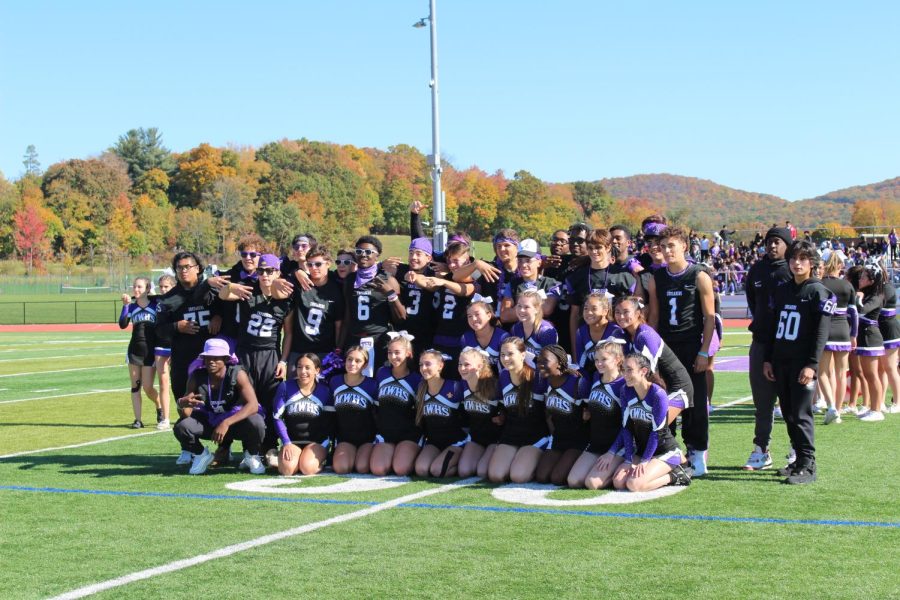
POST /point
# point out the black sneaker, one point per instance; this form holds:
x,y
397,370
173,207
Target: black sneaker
x,y
137,424
680,475
802,474
787,470
159,415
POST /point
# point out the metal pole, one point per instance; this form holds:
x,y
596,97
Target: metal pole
x,y
438,209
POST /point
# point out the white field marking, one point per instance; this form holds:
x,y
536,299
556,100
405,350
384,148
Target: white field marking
x,y
63,370
733,402
17,345
535,494
47,390
7,360
83,444
357,483
87,393
255,543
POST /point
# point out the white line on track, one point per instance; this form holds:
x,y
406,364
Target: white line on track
x,y
87,393
63,370
733,402
83,444
255,543
7,360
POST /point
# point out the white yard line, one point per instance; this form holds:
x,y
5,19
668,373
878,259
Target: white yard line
x,y
733,402
83,444
255,543
7,360
87,393
64,370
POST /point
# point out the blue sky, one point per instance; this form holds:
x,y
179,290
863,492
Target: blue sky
x,y
789,98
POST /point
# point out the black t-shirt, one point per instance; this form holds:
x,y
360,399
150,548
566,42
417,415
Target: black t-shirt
x,y
370,312
680,310
261,318
586,279
316,311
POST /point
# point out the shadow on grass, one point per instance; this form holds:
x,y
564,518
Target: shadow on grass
x,y
124,427
734,473
114,465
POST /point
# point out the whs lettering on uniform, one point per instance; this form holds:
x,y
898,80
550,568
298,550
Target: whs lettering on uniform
x,y
510,399
302,407
435,410
600,398
558,403
350,400
638,413
393,392
472,406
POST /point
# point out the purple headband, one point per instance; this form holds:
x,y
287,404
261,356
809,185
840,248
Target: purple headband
x,y
499,239
457,238
654,229
422,244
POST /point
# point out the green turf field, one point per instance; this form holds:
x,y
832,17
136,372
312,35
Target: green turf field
x,y
101,513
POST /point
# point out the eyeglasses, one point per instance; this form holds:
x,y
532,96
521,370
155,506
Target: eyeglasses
x,y
319,264
249,254
267,271
301,245
184,267
576,240
344,262
365,252
559,241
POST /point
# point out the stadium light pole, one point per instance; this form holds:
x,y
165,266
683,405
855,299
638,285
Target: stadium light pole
x,y
439,211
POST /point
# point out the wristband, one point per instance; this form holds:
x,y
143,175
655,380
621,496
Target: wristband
x,y
282,362
393,297
703,354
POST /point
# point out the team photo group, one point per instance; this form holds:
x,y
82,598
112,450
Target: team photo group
x,y
588,367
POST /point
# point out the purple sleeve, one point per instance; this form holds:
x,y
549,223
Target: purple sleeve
x,y
648,343
853,317
123,316
505,291
618,445
660,404
579,344
556,291
548,334
277,407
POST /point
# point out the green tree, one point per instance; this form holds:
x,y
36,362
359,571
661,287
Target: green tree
x,y
195,230
525,196
142,150
280,223
9,202
592,197
230,201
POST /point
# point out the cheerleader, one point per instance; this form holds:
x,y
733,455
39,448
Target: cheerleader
x,y
399,438
597,328
564,415
651,456
161,354
484,331
525,434
438,414
532,327
480,396
870,343
141,314
890,331
603,412
354,403
303,412
841,339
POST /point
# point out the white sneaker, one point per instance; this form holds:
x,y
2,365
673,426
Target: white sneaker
x,y
201,462
252,463
893,409
848,410
777,412
163,425
759,460
821,406
272,458
698,462
184,458
872,416
832,416
862,411
791,456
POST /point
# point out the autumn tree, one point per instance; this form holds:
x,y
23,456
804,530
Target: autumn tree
x,y
279,223
142,150
196,170
30,235
591,197
525,195
9,203
156,222
195,230
866,215
230,201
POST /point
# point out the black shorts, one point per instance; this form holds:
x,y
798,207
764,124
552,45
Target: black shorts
x,y
141,355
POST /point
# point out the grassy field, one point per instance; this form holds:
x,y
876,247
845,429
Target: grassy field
x,y
87,500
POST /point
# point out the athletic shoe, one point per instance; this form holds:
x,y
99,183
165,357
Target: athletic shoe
x,y
802,474
698,462
163,425
201,462
137,424
863,411
680,476
758,460
832,416
821,406
254,464
894,409
848,410
184,458
872,416
777,412
159,415
272,458
792,464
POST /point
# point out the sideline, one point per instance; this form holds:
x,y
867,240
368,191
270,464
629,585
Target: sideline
x,y
254,543
8,360
63,370
83,444
87,393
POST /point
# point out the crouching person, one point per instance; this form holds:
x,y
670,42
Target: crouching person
x,y
220,406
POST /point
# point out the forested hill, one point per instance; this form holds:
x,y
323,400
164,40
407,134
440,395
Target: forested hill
x,y
708,205
889,189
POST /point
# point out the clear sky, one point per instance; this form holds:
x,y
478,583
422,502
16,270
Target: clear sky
x,y
789,98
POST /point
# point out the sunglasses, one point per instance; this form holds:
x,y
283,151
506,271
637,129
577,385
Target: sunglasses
x,y
576,240
344,262
319,264
365,252
267,271
249,254
301,245
184,267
